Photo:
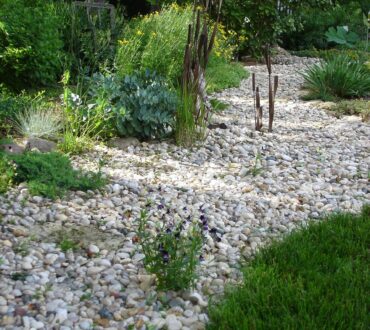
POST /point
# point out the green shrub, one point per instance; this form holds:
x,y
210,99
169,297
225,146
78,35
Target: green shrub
x,y
316,21
316,278
172,254
150,42
52,174
89,44
30,43
7,173
83,123
337,77
150,106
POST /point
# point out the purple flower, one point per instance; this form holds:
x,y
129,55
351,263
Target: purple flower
x,y
203,218
205,227
165,257
160,207
213,230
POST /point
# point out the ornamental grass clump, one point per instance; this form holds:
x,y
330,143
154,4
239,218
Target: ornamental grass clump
x,y
172,249
37,122
337,77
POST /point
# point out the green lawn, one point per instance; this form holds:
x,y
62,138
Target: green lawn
x,y
316,278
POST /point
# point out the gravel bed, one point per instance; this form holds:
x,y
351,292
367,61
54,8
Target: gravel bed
x,y
252,186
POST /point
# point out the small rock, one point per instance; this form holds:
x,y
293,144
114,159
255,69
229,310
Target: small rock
x,y
95,270
40,144
12,148
173,323
93,249
197,299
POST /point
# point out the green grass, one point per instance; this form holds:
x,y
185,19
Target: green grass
x,y
221,75
316,278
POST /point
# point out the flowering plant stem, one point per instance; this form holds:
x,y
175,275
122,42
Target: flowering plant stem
x,y
171,252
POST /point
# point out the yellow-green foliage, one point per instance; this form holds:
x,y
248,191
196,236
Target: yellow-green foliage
x,y
354,107
157,42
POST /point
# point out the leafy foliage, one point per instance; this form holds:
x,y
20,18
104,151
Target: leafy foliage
x,y
295,284
7,173
221,75
315,22
51,174
89,40
341,36
83,123
336,77
149,42
150,106
172,254
11,105
30,43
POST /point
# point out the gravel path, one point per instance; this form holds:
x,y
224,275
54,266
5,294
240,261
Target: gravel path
x,y
252,186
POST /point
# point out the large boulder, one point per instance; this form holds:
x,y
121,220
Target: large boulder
x,y
12,148
40,145
124,143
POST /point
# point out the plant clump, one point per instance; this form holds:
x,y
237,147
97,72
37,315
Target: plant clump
x,y
52,175
172,248
337,77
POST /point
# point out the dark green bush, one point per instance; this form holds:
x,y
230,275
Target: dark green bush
x,y
337,77
52,174
316,21
89,44
30,43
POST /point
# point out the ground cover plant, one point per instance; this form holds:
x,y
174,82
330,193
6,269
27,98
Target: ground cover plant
x,y
316,278
337,77
353,107
51,174
221,75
